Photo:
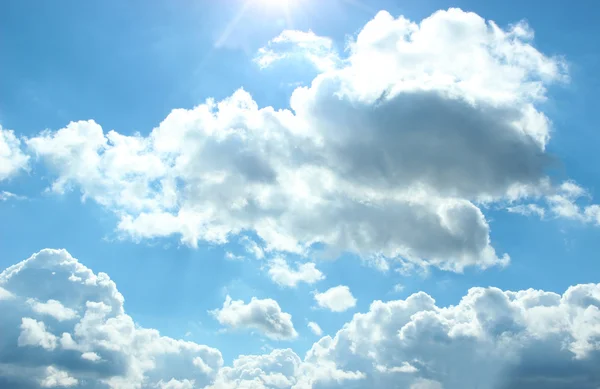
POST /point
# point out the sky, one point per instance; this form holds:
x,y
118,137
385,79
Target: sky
x,y
299,194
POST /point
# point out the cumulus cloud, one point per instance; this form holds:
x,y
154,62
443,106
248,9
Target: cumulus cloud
x,y
57,378
12,158
387,155
282,274
315,329
296,44
66,326
336,299
33,333
52,308
491,339
91,356
264,315
175,384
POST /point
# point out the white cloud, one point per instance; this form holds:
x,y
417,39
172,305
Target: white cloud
x,y
57,378
282,274
404,368
398,288
294,44
528,210
315,329
52,308
231,256
426,384
5,196
264,315
252,248
200,364
91,356
12,158
5,294
388,155
100,347
336,299
33,333
175,384
491,339
563,201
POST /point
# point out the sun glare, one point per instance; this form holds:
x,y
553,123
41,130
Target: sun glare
x,y
285,5
279,2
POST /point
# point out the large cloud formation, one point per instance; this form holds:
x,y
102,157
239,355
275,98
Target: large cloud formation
x,y
386,154
64,326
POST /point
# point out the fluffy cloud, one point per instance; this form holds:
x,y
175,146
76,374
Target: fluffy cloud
x,y
565,203
12,158
91,356
336,299
52,308
492,339
33,333
299,44
391,150
55,378
174,384
81,334
281,273
315,329
264,315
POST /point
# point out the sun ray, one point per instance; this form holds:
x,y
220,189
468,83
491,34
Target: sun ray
x,y
232,24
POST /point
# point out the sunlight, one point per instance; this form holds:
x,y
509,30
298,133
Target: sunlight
x,y
283,5
279,3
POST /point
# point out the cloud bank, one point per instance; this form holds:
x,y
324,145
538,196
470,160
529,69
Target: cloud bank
x,y
526,339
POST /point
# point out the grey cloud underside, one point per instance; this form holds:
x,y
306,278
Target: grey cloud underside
x,y
554,372
492,339
453,147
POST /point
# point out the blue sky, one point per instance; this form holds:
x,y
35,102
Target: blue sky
x,y
453,143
